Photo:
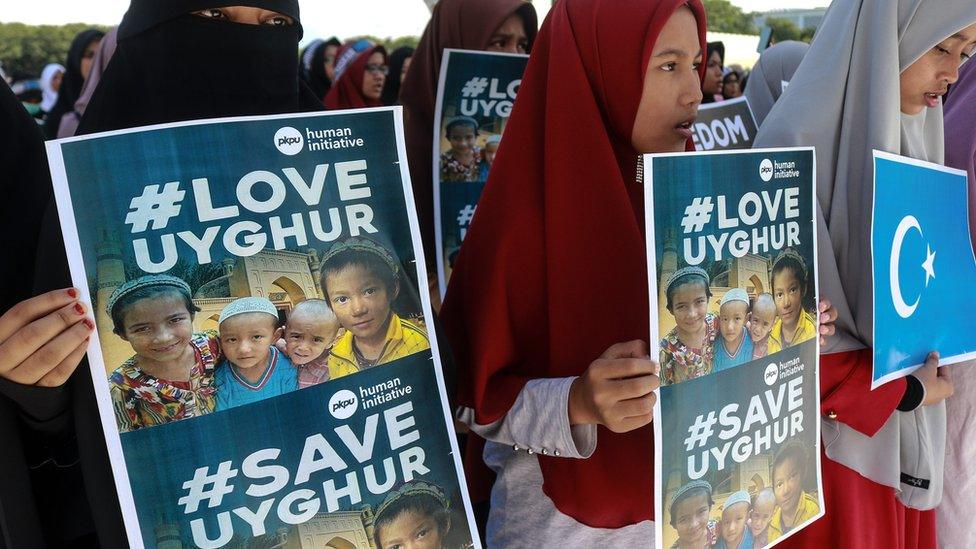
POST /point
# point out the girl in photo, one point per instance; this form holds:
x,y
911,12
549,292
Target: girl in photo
x,y
416,515
463,161
688,350
794,324
690,511
171,375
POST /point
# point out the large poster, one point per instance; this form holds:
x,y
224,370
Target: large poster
x,y
923,265
724,125
266,370
732,264
475,95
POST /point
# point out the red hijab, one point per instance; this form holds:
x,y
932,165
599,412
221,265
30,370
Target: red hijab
x,y
553,270
459,24
347,91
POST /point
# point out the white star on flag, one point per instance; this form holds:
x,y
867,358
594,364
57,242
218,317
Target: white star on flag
x,y
929,264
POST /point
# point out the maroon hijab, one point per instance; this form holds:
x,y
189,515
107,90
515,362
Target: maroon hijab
x,y
459,24
553,270
347,90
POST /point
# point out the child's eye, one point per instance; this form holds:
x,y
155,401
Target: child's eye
x,y
422,533
320,340
370,291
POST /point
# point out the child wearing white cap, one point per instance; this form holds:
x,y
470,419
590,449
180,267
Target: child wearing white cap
x,y
253,368
734,534
734,346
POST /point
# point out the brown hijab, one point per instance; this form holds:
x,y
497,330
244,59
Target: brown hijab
x,y
460,24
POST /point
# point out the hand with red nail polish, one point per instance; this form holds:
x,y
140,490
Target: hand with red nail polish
x,y
42,339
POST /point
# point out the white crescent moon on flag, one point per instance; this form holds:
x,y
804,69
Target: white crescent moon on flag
x,y
904,309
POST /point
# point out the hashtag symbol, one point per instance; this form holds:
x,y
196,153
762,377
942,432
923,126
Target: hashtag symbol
x,y
197,487
155,207
474,87
697,214
465,215
700,432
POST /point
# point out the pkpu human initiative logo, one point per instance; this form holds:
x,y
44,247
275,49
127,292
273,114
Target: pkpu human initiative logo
x,y
343,404
289,141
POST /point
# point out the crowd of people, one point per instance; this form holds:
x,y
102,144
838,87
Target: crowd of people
x,y
546,312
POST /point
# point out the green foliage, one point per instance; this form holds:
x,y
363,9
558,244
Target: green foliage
x,y
25,49
784,29
724,17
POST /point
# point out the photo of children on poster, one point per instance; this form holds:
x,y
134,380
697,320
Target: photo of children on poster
x,y
266,370
731,253
475,95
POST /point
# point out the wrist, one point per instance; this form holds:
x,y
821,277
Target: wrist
x,y
576,404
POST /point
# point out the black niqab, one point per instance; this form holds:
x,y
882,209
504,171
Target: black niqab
x,y
189,67
72,82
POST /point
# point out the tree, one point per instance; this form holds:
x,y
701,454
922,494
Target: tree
x,y
784,29
25,49
724,17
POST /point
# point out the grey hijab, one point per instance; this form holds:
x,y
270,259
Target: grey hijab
x,y
841,100
776,65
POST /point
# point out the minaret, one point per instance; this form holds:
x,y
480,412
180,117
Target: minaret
x,y
669,264
313,266
109,275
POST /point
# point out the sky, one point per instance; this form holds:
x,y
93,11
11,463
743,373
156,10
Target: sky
x,y
321,18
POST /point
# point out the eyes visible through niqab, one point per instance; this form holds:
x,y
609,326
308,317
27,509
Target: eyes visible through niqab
x,y
246,15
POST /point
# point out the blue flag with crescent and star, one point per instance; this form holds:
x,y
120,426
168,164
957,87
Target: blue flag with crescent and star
x,y
923,266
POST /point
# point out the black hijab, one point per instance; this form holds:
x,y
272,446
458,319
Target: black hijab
x,y
391,90
712,48
171,66
313,66
73,80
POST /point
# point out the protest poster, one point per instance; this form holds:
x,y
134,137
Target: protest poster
x,y
724,125
475,94
732,266
192,242
922,265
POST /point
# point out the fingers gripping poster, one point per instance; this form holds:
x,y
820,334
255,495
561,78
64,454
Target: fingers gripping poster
x,y
732,264
266,371
475,96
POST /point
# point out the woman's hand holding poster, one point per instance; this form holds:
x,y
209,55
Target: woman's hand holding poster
x,y
732,264
475,96
266,371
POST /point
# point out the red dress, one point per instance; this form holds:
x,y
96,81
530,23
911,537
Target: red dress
x,y
860,513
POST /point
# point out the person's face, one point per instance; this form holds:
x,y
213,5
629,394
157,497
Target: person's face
x,y
86,59
462,138
405,68
732,317
713,75
307,336
246,339
510,36
786,484
360,300
59,76
375,75
490,150
926,80
760,515
158,328
761,321
788,294
691,519
689,304
672,89
731,88
329,60
734,521
247,16
411,530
